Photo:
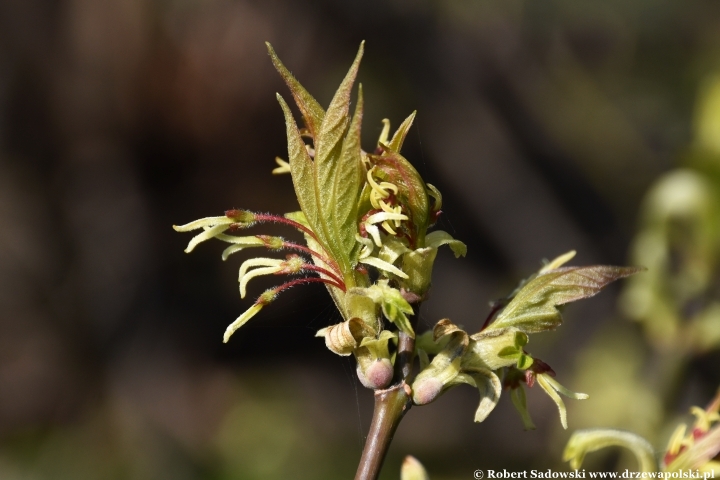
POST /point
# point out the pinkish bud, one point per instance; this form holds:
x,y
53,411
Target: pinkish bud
x,y
377,375
427,390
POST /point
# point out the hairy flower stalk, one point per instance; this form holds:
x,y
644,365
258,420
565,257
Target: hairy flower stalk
x,y
366,219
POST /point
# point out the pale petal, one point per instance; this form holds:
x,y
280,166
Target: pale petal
x,y
203,222
258,272
556,385
374,232
283,167
241,320
384,216
207,234
377,263
541,380
257,262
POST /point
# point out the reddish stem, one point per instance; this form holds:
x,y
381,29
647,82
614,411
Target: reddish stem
x,y
327,261
330,274
300,281
264,217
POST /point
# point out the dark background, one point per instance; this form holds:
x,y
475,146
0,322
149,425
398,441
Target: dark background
x,y
543,123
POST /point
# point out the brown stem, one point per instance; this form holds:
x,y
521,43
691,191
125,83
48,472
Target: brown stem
x,y
405,356
390,407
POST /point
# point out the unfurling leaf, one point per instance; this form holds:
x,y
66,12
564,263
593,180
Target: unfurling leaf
x,y
534,307
394,306
328,186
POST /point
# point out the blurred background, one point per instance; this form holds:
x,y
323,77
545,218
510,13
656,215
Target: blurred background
x,y
548,126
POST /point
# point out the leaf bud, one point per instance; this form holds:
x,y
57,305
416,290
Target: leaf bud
x,y
427,390
377,375
375,369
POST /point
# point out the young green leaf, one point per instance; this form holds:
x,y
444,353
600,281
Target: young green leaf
x,y
347,182
332,168
534,307
494,349
335,121
399,136
303,176
311,110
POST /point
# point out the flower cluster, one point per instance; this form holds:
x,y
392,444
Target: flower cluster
x,y
365,219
